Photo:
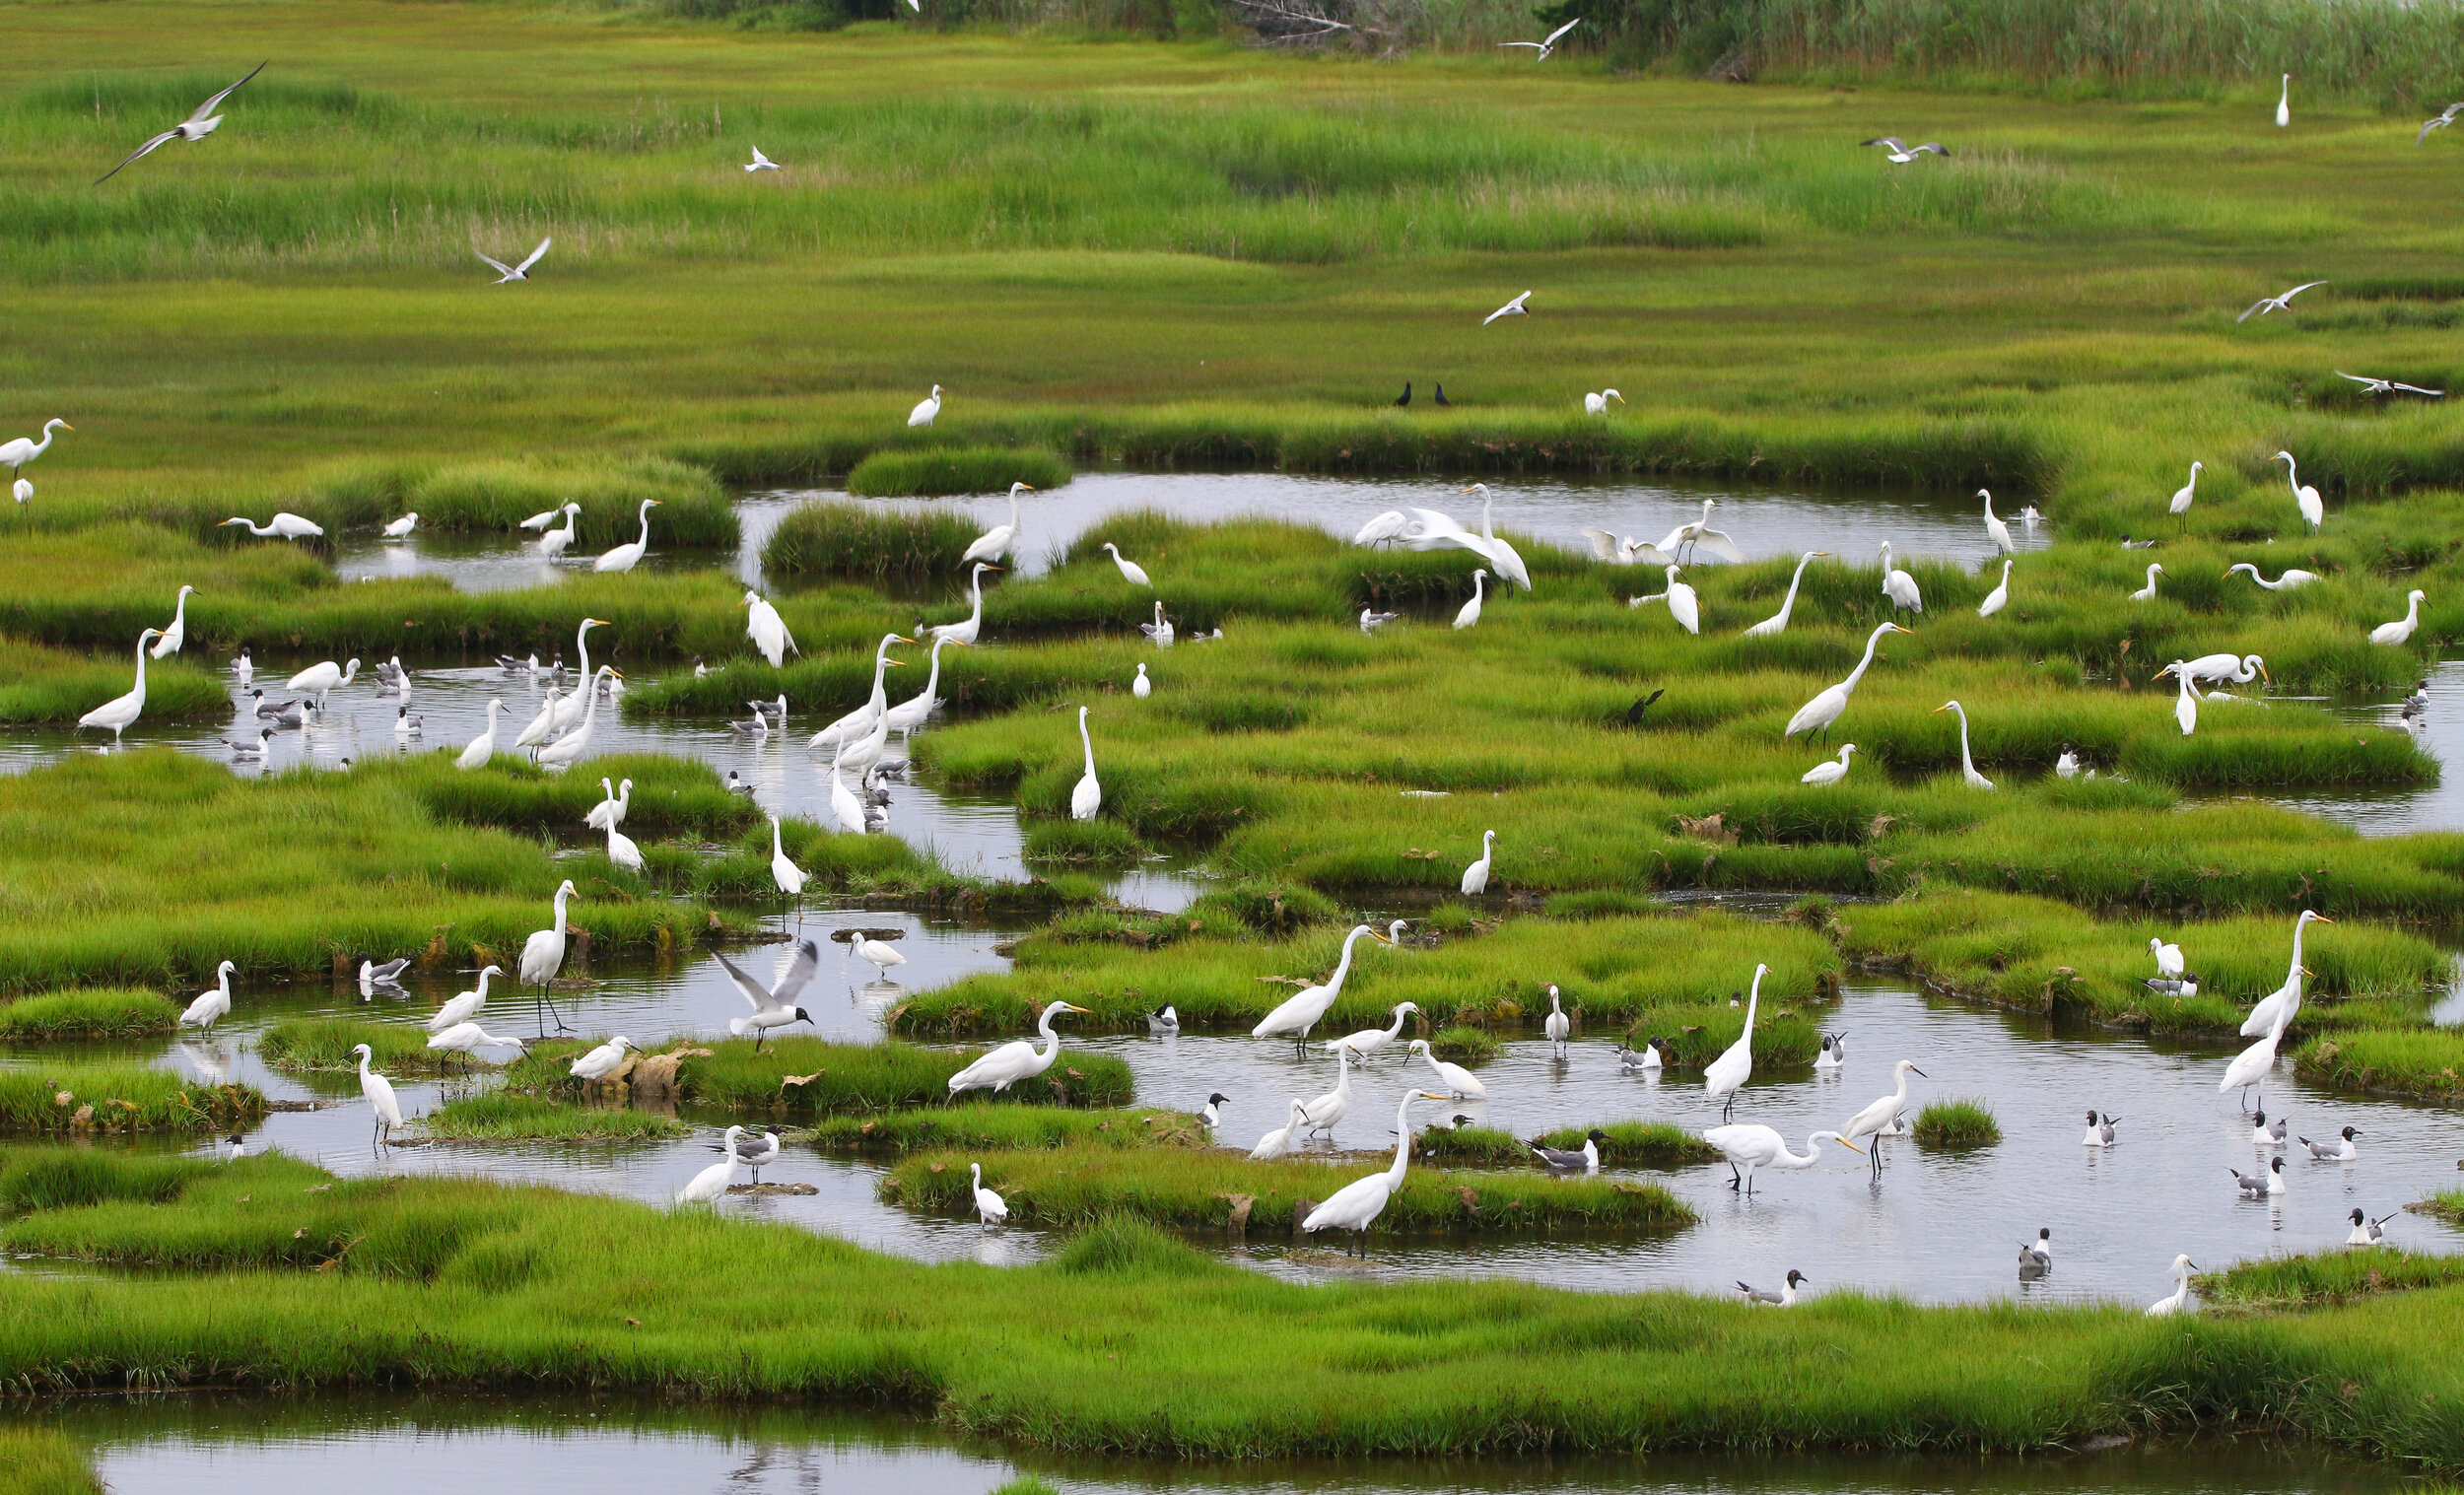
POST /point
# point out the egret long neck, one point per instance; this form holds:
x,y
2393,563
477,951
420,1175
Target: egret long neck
x,y
560,913
1788,604
880,671
1343,968
932,681
141,670
1402,1143
1394,1030
581,647
2292,978
1865,663
1088,743
646,525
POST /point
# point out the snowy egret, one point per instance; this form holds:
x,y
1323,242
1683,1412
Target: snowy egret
x,y
998,541
1724,1076
1331,1107
1829,773
1300,1012
1141,687
1897,584
1777,623
1461,1083
625,557
464,1005
1017,1060
380,1093
178,634
1819,714
1967,763
2168,958
1557,1025
1283,1139
991,1209
713,1183
195,127
543,955
1753,1148
1356,1205
1999,598
775,1005
603,1061
1995,529
1475,876
2179,1301
322,679
610,811
2398,631
468,1039
1130,571
213,1004
400,530
884,957
121,713
2188,492
783,873
1884,1111
2147,592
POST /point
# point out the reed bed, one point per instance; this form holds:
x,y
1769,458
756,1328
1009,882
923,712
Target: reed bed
x,y
1008,1129
499,1117
943,471
104,1098
37,1460
2326,1279
793,1076
1191,1191
86,1016
2427,1062
1630,1144
868,541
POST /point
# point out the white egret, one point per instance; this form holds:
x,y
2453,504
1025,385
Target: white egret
x,y
1159,631
610,811
1820,714
556,542
1967,764
967,632
927,409
1995,528
623,852
777,1004
2188,492
914,712
120,712
1130,571
2251,1065
1753,1148
991,1209
1899,152
380,1093
1557,1025
761,163
1504,557
2292,577
1899,585
508,273
1475,876
22,490
626,557
178,634
1786,1297
603,1061
400,530
2147,592
1597,404
1684,605
2179,1300
1777,623
2279,1007
543,725
2366,1231
565,751
1690,540
1545,47
2304,497
1386,527
195,127
1331,1107
884,958
546,516
789,877
767,629
323,679
1369,1041
1283,1139
2341,1150
2398,631
2168,958
1726,1076
1356,1205
1513,308
1876,1118
860,721
468,1039
1621,550
1460,1083
464,1005
1088,796
1829,773
1017,1060
543,955
286,527
1141,687
847,812
1470,612
1300,1012
2186,703
713,1183
2284,104
16,454
998,541
1999,598
213,1004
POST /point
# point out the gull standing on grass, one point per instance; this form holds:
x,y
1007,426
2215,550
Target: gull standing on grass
x,y
774,1006
2267,305
193,128
1547,47
509,273
761,163
1899,152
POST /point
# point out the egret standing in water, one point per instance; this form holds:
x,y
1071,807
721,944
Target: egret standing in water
x,y
121,713
1016,1061
626,557
380,1093
1998,531
713,1183
543,955
1459,1081
213,1004
1753,1147
1874,1118
1300,1012
1724,1076
2281,1006
1356,1205
991,1209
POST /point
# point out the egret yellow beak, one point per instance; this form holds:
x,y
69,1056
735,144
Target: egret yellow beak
x,y
1431,1094
659,503
2321,918
1851,1146
901,638
1938,710
65,426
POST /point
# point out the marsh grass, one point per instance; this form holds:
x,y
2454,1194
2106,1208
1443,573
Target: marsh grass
x,y
871,541
86,1016
2424,1062
36,1460
1957,1123
2326,1278
1472,1046
499,1117
108,1098
52,686
324,1044
1007,1128
1077,1187
838,1077
944,471
1630,1144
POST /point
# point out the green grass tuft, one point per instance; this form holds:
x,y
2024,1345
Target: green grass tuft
x,y
303,1044
36,1460
1630,1144
943,471
869,541
2326,1278
1470,1046
1957,1123
64,1016
1003,1128
502,1117
118,1098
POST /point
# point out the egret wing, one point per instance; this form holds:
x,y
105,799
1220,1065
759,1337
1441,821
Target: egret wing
x,y
1719,544
1604,544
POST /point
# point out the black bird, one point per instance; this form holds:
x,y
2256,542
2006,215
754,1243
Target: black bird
x,y
1634,713
1441,395
1406,397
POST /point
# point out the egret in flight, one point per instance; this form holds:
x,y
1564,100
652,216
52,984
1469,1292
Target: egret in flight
x,y
195,127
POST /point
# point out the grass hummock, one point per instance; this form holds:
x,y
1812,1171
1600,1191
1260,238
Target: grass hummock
x,y
1005,1127
325,1043
99,1014
527,1119
797,1075
1631,1144
2327,1277
871,541
115,1098
934,472
1959,1123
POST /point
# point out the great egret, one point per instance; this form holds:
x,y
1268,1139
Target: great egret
x,y
1141,687
2304,497
2284,104
1017,1060
847,813
556,542
2366,1231
2168,958
1829,773
1088,796
783,873
2341,1150
543,955
1369,1041
178,634
991,1209
2179,1301
1684,605
1753,1148
543,725
713,1183
2147,592
1726,1076
1470,611
1356,1205
1300,1012
195,127
1513,308
967,632
2398,631
1386,527
1687,542
1283,1139
1999,598
1130,571
1461,1083
1899,585
1597,404
22,490
601,1063
323,679
1557,1025
761,163
1967,764
927,409
2186,703
914,712
626,557
2251,1065
2279,1007
565,751
2266,305
1819,714
1777,623
1545,47
380,1093
2266,1182
1504,557
998,541
1874,1119
2292,577
400,530
622,850
611,812
860,721
1331,1107
1159,631
777,1005
464,1005
1475,876
2187,493
120,712
1899,152
1786,1297
767,629
506,273
468,1039
482,747
1998,531
884,958
213,1004
16,454
286,527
